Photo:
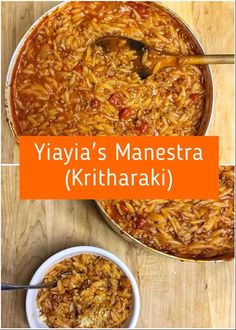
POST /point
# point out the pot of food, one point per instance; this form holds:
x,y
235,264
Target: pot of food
x,y
58,84
191,230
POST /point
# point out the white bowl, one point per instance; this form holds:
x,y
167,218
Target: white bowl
x,y
32,311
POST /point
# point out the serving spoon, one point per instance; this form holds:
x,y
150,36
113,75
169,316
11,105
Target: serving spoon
x,y
49,285
157,61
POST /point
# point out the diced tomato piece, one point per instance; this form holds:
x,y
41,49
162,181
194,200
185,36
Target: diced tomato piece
x,y
141,9
143,127
116,99
78,68
95,104
141,222
125,113
123,207
195,97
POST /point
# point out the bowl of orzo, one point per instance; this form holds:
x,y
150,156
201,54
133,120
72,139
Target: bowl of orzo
x,y
59,84
93,289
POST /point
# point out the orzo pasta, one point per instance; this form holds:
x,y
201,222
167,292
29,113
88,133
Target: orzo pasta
x,y
62,85
91,292
196,229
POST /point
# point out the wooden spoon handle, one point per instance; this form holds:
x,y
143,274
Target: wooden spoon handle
x,y
161,62
207,59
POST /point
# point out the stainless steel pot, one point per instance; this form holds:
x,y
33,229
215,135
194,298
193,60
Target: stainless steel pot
x,y
205,122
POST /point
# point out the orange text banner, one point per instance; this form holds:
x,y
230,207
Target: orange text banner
x,y
112,167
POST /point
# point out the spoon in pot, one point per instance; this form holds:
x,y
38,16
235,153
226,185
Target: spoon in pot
x,y
49,285
149,61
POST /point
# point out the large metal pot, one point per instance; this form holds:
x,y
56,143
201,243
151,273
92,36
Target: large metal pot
x,y
205,122
112,223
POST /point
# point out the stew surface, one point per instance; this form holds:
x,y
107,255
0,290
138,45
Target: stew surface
x,y
195,229
64,85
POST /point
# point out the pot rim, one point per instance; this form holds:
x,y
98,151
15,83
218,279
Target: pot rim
x,y
139,244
